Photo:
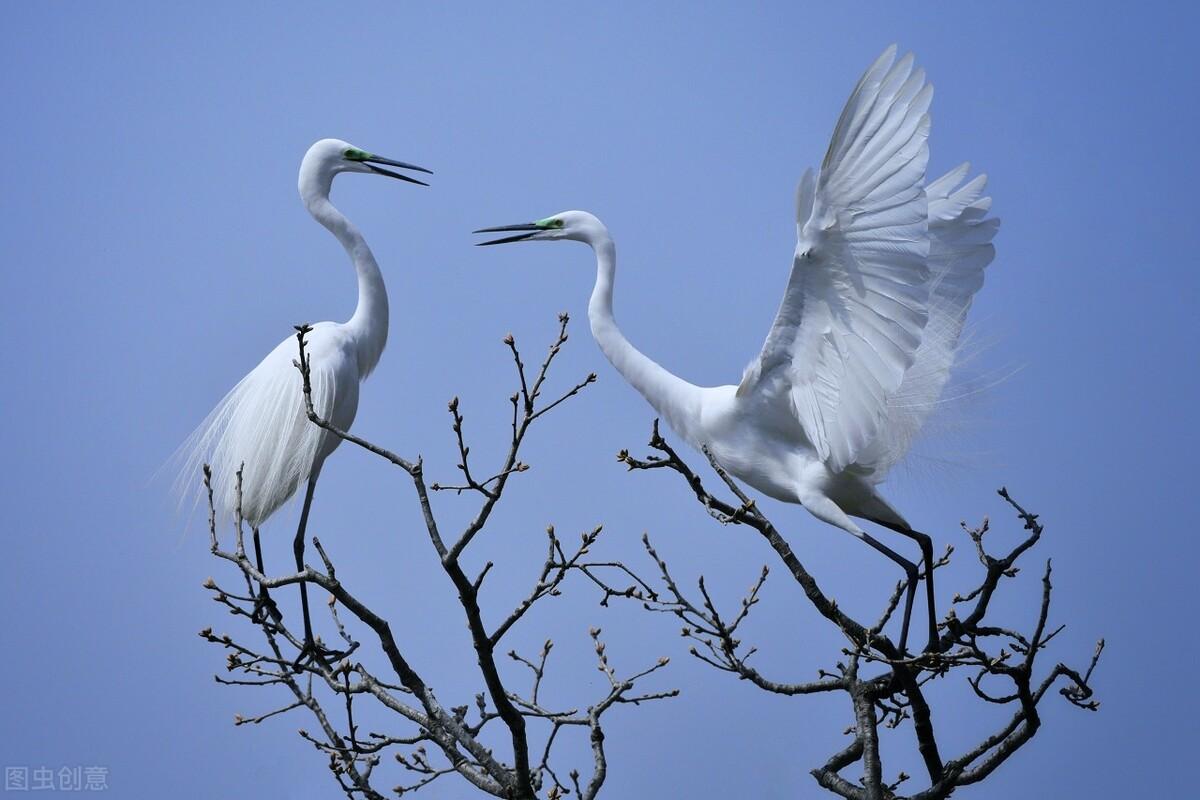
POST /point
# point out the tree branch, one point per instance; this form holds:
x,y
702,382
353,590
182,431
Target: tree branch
x,y
454,737
896,692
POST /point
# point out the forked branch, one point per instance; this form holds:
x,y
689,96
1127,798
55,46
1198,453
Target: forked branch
x,y
436,740
884,688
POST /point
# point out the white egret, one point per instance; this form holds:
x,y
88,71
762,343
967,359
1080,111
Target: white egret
x,y
883,274
261,426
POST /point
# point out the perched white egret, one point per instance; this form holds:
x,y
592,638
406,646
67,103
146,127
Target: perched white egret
x,y
261,426
862,345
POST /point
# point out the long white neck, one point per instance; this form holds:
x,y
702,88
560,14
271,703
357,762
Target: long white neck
x,y
672,397
369,323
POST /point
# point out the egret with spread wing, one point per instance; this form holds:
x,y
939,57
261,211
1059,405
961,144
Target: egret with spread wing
x,y
261,427
862,345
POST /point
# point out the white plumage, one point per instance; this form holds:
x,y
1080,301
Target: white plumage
x,y
856,303
960,236
863,343
261,427
262,424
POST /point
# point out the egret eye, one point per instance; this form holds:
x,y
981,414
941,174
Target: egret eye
x,y
354,154
558,223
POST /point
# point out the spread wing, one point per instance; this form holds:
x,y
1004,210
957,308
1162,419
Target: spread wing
x,y
960,247
856,303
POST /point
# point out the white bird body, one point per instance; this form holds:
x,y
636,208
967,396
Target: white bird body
x,y
763,447
756,436
261,429
262,423
882,277
261,426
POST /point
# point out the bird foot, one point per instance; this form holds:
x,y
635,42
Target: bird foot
x,y
265,607
930,653
928,659
315,652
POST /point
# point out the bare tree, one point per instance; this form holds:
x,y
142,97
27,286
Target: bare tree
x,y
433,739
884,687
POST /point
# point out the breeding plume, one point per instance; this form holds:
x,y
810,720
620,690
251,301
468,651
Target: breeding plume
x,y
261,426
882,277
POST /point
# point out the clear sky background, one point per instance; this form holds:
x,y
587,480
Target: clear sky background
x,y
154,249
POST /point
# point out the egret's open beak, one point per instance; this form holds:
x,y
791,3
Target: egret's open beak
x,y
530,227
371,161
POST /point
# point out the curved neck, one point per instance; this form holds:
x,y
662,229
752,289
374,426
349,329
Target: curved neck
x,y
672,397
369,324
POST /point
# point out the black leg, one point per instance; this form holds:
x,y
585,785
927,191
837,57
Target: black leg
x,y
910,569
265,604
926,544
311,650
298,549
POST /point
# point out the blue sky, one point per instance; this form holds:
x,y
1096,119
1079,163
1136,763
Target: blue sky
x,y
155,249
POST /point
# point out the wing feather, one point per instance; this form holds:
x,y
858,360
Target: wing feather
x,y
856,304
261,427
960,235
